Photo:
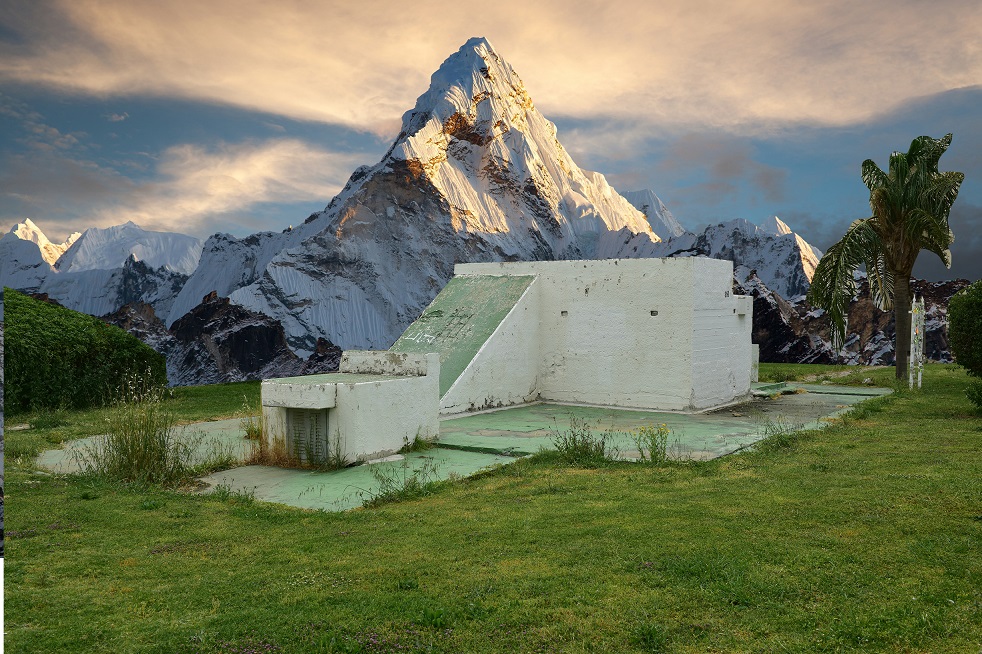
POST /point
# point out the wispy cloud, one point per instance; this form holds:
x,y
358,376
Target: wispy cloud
x,y
742,65
192,188
117,118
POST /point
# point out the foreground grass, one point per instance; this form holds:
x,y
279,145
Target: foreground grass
x,y
866,536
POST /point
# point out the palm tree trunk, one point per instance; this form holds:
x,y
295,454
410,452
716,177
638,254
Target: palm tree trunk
x,y
901,316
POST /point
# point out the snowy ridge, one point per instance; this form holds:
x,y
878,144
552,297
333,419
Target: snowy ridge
x,y
662,222
108,248
21,264
50,252
784,262
95,290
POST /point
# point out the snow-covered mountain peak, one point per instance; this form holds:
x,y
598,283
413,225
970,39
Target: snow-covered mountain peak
x,y
662,222
477,139
50,252
774,225
110,247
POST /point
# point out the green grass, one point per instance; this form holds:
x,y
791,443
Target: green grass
x,y
863,537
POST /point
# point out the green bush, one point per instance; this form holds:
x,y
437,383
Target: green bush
x,y
56,358
965,328
965,335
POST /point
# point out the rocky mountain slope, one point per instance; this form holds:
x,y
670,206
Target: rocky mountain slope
x,y
781,258
220,342
794,332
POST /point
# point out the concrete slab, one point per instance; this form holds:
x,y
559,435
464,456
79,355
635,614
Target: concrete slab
x,y
528,429
348,488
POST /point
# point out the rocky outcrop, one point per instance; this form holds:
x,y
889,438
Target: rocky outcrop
x,y
794,332
221,342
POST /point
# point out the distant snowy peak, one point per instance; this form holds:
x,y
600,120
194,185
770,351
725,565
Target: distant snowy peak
x,y
774,225
109,248
662,222
50,252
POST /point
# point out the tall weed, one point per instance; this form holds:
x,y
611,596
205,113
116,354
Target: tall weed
x,y
580,446
141,443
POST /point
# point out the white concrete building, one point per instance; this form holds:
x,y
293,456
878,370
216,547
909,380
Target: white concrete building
x,y
665,334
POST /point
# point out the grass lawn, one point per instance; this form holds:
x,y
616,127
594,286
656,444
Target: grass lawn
x,y
865,536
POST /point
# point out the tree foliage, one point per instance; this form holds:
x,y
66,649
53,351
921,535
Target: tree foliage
x,y
910,205
57,358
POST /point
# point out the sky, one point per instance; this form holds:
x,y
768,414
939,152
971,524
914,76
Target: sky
x,y
222,116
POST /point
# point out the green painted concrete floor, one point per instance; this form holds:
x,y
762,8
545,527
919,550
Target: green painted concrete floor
x,y
475,442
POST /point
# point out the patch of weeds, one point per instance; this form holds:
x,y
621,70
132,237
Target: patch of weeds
x,y
651,637
89,495
407,584
580,446
150,505
224,493
253,424
435,617
778,434
46,418
308,450
141,444
652,443
401,483
418,444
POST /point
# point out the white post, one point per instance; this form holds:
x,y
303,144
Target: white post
x,y
916,342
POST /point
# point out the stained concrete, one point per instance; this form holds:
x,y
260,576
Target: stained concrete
x,y
474,442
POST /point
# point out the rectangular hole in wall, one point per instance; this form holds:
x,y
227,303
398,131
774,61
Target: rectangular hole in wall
x,y
654,313
564,313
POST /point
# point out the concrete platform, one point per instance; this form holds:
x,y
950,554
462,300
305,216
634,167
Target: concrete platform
x,y
474,442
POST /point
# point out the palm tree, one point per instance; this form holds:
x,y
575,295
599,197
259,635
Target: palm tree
x,y
910,213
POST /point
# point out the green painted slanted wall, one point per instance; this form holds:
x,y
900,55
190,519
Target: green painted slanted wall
x,y
461,319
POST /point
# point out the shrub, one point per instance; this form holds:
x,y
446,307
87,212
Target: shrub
x,y
965,334
965,328
56,358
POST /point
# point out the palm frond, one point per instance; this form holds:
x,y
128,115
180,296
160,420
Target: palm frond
x,y
833,284
873,177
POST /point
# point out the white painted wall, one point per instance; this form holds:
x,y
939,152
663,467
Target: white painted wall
x,y
608,348
506,369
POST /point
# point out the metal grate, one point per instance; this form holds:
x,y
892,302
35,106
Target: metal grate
x,y
308,430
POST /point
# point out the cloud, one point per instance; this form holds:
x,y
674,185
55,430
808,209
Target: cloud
x,y
749,64
117,118
35,133
722,166
192,189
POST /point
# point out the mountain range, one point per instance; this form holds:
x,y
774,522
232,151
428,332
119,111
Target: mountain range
x,y
476,173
